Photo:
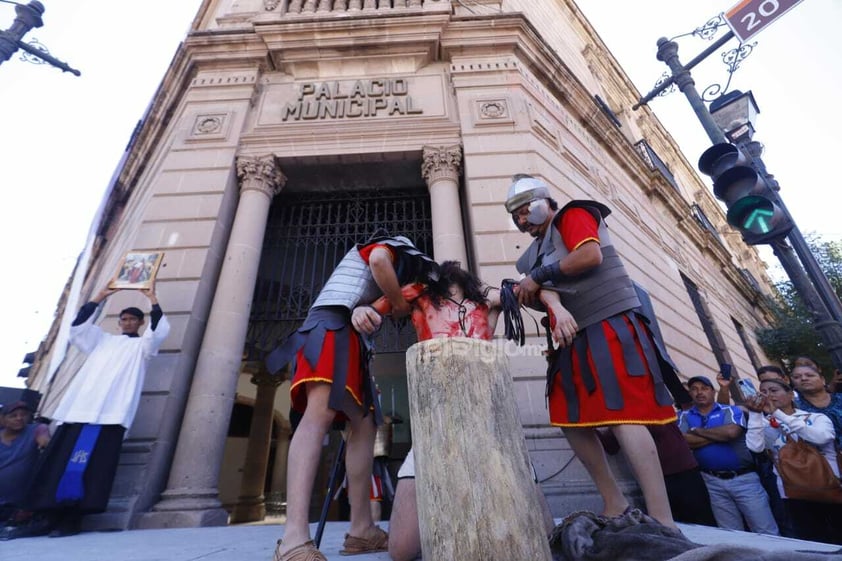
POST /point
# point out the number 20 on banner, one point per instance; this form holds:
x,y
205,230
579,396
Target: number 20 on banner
x,y
750,17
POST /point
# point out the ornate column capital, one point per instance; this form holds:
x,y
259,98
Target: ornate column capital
x,y
263,379
260,173
441,162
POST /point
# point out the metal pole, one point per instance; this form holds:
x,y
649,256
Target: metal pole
x,y
828,326
668,53
671,80
828,329
808,260
28,16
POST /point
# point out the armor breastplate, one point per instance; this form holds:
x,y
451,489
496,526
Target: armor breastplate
x,y
602,292
350,284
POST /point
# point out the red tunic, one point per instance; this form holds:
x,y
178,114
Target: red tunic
x,y
577,226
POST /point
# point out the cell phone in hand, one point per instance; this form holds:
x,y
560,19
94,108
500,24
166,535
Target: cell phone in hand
x,y
725,370
748,387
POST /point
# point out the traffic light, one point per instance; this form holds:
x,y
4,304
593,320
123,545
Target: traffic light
x,y
751,202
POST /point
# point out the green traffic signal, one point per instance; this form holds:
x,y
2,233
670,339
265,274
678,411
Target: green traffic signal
x,y
750,200
754,214
759,220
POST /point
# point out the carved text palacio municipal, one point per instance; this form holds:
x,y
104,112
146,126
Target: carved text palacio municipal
x,y
362,98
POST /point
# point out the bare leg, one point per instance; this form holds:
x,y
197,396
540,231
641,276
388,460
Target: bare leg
x,y
639,448
404,533
304,454
589,450
359,460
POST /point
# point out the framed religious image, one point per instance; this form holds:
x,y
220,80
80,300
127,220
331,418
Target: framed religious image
x,y
137,270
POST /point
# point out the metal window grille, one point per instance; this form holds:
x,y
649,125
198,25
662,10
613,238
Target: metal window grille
x,y
306,237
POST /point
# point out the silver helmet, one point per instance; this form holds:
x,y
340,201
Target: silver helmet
x,y
534,192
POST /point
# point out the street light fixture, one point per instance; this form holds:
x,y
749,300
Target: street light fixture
x,y
735,113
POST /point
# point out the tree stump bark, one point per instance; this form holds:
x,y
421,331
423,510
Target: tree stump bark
x,y
476,496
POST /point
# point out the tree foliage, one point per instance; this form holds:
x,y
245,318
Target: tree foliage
x,y
792,333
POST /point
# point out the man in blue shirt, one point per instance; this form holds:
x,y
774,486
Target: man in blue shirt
x,y
716,434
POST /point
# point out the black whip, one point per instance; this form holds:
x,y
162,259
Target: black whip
x,y
511,312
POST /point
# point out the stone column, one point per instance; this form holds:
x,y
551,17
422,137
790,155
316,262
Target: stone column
x,y
192,495
440,170
251,503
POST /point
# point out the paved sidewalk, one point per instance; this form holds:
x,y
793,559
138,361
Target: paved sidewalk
x,y
256,543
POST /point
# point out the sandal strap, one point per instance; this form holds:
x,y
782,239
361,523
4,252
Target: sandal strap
x,y
378,540
307,551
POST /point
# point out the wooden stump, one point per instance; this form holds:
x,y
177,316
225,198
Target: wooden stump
x,y
476,496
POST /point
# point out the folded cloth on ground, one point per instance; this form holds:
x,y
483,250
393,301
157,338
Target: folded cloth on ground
x,y
585,536
634,536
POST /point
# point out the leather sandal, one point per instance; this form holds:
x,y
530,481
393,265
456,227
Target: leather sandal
x,y
304,552
377,540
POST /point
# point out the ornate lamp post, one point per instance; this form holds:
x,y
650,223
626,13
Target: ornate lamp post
x,y
28,17
733,114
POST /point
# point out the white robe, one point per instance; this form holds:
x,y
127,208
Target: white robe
x,y
106,389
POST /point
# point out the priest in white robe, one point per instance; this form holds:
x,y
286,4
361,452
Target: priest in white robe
x,y
96,411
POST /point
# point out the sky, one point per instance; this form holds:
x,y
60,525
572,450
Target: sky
x,y
61,136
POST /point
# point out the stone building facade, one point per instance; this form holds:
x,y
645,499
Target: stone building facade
x,y
286,130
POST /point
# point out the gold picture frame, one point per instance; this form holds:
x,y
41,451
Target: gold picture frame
x,y
137,270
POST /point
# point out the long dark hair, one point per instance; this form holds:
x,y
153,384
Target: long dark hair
x,y
450,272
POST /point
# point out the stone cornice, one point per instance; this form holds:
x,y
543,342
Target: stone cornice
x,y
227,48
441,162
260,173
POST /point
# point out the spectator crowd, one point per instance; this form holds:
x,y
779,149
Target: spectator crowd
x,y
741,456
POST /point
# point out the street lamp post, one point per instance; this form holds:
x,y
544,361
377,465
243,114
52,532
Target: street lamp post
x,y
28,16
812,285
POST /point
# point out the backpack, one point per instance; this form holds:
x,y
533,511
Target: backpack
x,y
806,474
